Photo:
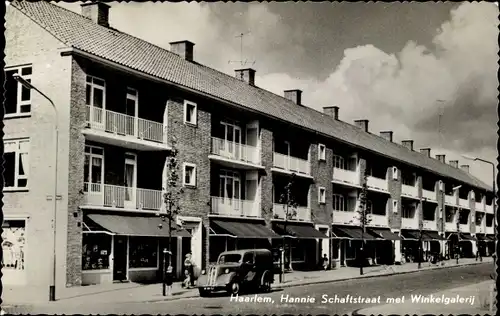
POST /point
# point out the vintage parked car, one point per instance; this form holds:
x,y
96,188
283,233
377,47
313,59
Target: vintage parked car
x,y
249,269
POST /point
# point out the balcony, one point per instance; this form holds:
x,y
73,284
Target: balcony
x,y
490,230
479,206
489,209
378,220
291,164
429,195
465,228
303,212
342,217
376,183
429,225
346,176
481,229
450,199
234,154
450,227
409,223
113,196
234,207
409,190
464,203
124,130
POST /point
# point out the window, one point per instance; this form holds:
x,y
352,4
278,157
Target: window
x,y
394,206
441,185
143,252
132,99
408,210
96,249
95,93
322,195
189,174
479,218
190,112
93,168
248,258
338,202
229,185
17,97
16,163
338,162
321,152
394,173
13,245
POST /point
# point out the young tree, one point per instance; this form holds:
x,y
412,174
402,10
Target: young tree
x,y
457,247
420,227
364,219
287,198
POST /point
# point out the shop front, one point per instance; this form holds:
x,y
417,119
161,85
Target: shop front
x,y
468,246
347,241
14,250
118,248
384,247
430,244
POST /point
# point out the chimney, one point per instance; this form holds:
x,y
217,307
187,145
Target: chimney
x,y
332,111
426,151
441,158
465,168
454,163
183,49
294,95
97,11
247,75
409,144
363,124
387,135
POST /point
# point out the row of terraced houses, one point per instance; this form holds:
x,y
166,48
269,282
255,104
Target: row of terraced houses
x,y
122,100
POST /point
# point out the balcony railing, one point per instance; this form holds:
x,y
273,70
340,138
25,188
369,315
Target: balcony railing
x,y
463,203
429,225
430,195
347,176
122,124
465,228
450,199
489,209
479,206
303,213
235,151
450,227
105,195
409,223
481,228
291,164
378,220
235,207
341,217
409,190
376,183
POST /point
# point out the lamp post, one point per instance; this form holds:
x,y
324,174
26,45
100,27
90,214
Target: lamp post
x,y
164,286
28,85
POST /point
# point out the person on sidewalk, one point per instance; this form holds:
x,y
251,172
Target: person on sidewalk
x,y
169,278
325,262
188,267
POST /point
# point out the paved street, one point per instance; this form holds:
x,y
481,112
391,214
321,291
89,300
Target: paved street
x,y
423,282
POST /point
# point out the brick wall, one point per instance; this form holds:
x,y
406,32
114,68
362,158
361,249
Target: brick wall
x,y
394,187
420,206
472,215
322,173
440,207
266,179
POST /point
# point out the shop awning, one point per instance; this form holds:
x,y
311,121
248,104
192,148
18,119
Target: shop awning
x,y
490,237
130,225
409,234
241,229
384,233
466,236
299,230
348,232
431,235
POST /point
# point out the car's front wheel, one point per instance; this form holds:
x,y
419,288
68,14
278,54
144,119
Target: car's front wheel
x,y
203,293
234,288
266,282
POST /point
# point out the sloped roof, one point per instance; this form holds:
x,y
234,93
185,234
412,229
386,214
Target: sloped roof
x,y
81,33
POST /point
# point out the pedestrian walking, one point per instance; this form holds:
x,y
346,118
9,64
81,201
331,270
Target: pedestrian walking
x,y
325,262
188,268
169,279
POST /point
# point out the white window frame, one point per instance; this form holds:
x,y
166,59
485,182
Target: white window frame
x,y
93,85
341,160
92,155
19,102
17,153
342,200
147,268
321,195
233,175
395,206
394,173
193,178
321,152
25,219
194,117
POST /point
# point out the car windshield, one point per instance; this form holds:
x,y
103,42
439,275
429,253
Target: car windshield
x,y
232,258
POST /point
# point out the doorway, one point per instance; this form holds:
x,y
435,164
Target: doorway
x,y
120,258
130,180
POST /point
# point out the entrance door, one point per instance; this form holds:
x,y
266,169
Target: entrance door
x,y
131,112
96,99
130,181
120,258
232,141
230,189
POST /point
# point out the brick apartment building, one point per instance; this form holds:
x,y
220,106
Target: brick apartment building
x,y
120,102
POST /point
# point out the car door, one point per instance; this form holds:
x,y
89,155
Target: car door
x,y
248,267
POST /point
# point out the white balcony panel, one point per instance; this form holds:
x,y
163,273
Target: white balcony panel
x,y
235,151
409,190
303,213
378,220
429,225
464,203
450,199
489,230
376,183
409,223
479,206
346,176
235,207
350,218
481,229
489,209
105,195
291,164
125,125
465,228
450,227
430,195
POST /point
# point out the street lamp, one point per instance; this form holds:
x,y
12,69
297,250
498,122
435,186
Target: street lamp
x,y
457,222
28,85
164,285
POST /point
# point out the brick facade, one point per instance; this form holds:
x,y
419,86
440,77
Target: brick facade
x,y
266,178
322,173
394,187
420,205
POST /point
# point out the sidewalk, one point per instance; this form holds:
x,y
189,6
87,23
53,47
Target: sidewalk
x,y
480,306
134,292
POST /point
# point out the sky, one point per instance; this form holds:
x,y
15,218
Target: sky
x,y
426,71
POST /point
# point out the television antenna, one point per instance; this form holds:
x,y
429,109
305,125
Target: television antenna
x,y
440,116
242,62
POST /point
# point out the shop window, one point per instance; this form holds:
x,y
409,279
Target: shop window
x,y
13,245
96,250
143,252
